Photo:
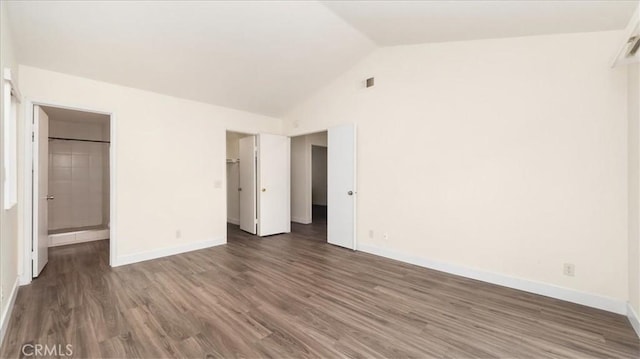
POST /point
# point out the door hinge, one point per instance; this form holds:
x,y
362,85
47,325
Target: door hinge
x,y
33,137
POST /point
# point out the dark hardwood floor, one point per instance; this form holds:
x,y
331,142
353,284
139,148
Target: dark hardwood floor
x,y
294,296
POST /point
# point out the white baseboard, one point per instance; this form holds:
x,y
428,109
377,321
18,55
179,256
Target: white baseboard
x,y
61,239
634,319
301,220
6,314
235,221
25,279
165,252
548,290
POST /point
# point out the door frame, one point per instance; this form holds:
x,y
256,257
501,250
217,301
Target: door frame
x,y
308,152
28,188
247,149
37,146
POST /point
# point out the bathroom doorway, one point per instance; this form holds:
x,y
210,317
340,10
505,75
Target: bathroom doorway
x,y
71,187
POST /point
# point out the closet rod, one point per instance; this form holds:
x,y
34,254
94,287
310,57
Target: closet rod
x,y
75,139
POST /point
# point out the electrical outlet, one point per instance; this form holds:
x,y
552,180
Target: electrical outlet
x,y
371,233
569,269
178,234
385,236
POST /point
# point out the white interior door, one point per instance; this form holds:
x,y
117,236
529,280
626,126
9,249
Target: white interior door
x,y
274,184
341,186
248,184
40,244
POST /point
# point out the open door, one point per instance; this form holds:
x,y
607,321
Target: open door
x,y
40,242
341,186
274,183
248,185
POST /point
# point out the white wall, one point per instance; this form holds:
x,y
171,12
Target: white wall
x,y
78,175
301,175
170,155
634,186
503,156
9,260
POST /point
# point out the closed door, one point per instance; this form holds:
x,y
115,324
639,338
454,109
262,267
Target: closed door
x,y
341,186
274,184
248,184
40,241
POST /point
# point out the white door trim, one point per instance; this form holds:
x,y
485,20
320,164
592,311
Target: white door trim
x,y
40,145
27,182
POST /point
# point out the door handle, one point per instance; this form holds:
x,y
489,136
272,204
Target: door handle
x,y
264,190
239,189
50,197
350,193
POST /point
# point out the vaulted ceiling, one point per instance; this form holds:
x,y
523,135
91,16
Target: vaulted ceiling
x,y
390,23
266,56
256,56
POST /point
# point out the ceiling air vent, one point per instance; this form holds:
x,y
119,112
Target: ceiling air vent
x,y
370,82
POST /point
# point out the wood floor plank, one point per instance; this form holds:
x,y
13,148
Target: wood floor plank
x,y
294,295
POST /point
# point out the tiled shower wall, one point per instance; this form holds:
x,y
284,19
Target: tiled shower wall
x,y
78,177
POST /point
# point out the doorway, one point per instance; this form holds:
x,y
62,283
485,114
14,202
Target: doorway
x,y
309,185
323,186
319,185
233,176
71,188
258,183
283,196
